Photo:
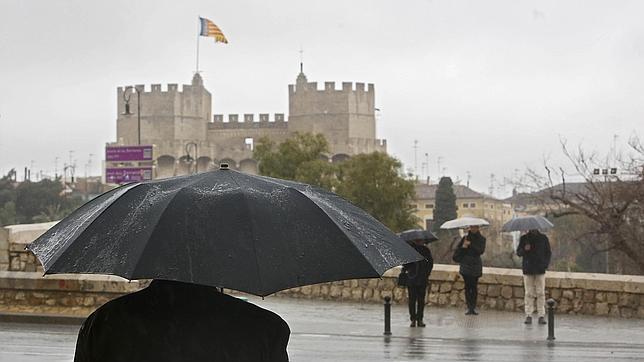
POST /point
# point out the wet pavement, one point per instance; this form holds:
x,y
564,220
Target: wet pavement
x,y
331,331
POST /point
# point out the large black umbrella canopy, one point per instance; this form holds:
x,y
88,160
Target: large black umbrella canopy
x,y
225,229
417,234
524,223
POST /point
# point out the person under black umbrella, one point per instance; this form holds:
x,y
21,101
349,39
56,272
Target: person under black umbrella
x,y
417,280
218,229
534,249
468,255
175,321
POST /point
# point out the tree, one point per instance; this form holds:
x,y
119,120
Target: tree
x,y
372,182
8,213
33,198
7,200
28,202
297,154
319,173
445,208
612,203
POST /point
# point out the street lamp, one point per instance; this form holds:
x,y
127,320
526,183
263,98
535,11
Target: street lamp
x,y
194,145
126,98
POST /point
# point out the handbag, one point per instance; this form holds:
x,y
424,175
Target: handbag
x,y
458,256
403,279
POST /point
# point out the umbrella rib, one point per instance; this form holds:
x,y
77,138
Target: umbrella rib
x,y
147,242
259,274
63,250
339,227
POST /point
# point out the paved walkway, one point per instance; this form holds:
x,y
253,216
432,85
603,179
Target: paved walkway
x,y
331,331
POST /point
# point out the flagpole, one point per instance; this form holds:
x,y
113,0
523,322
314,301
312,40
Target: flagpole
x,y
198,34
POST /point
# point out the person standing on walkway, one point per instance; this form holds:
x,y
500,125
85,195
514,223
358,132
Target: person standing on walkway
x,y
417,280
534,248
468,255
175,321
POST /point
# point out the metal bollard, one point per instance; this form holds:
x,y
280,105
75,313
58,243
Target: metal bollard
x,y
387,316
551,318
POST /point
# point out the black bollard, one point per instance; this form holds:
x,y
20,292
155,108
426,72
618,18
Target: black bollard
x,y
551,318
387,316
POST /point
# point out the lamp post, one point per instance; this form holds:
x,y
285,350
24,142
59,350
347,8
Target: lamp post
x,y
190,145
126,98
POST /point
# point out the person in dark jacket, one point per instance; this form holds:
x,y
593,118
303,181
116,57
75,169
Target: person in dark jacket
x,y
534,248
468,254
174,321
417,280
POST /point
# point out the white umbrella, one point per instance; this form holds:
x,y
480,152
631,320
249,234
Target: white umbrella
x,y
463,222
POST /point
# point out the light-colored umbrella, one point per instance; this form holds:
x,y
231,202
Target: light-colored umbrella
x,y
463,222
531,222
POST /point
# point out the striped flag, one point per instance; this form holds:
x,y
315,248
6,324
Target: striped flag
x,y
209,29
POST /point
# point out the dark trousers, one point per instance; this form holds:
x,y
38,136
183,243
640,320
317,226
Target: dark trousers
x,y
416,298
471,291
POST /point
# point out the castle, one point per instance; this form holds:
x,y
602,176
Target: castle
x,y
175,120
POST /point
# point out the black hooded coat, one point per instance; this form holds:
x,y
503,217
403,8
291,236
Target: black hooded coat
x,y
418,272
537,259
174,321
471,264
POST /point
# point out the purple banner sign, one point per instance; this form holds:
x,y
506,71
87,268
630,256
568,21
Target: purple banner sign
x,y
128,153
125,175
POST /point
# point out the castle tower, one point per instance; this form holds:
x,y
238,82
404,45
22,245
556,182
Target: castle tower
x,y
344,116
166,115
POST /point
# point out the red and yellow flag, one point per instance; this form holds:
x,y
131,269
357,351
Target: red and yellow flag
x,y
209,29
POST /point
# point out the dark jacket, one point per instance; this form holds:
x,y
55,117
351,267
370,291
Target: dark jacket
x,y
418,272
537,259
172,321
471,264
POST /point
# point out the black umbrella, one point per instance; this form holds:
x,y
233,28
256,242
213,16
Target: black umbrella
x,y
417,234
224,229
531,222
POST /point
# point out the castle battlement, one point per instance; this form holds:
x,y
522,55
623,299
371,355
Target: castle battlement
x,y
346,87
247,121
365,142
161,88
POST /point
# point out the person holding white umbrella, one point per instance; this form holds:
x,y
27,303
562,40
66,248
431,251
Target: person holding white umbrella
x,y
468,255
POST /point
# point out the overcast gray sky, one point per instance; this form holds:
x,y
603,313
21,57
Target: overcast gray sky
x,y
489,86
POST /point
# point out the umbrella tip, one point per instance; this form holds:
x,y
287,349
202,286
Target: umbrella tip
x,y
223,166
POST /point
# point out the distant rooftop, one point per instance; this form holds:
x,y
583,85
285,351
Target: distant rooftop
x,y
428,192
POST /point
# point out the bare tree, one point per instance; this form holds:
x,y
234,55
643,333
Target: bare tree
x,y
609,193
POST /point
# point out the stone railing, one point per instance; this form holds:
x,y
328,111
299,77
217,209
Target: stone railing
x,y
60,294
500,289
13,240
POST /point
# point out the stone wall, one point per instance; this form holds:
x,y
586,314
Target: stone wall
x,y
60,294
14,239
500,289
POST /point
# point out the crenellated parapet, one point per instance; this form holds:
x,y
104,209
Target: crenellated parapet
x,y
170,88
248,121
328,87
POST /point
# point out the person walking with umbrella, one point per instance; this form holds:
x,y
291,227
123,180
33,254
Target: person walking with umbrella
x,y
468,254
417,273
534,249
